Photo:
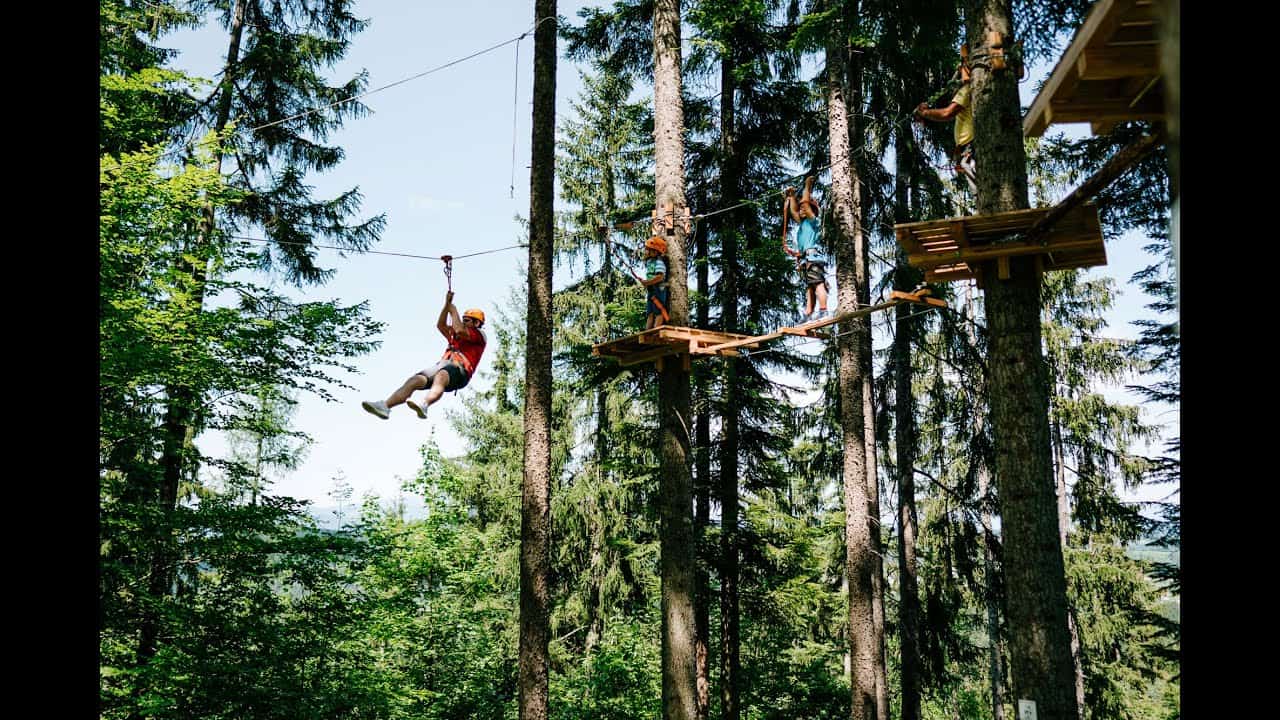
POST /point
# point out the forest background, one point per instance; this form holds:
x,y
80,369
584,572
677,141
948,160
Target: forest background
x,y
410,600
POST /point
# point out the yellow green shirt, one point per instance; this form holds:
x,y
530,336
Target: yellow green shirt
x,y
964,120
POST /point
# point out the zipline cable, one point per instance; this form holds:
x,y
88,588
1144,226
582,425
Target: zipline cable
x,y
379,252
194,143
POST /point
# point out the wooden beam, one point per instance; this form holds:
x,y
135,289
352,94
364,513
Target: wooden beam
x,y
1115,63
1123,108
1002,267
806,327
803,333
1038,115
646,356
1112,169
920,297
1010,249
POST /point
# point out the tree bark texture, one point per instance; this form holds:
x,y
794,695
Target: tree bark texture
x,y
1039,640
906,444
679,685
535,502
702,490
853,99
995,656
859,559
1064,527
730,625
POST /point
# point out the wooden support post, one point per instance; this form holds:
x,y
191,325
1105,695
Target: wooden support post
x,y
995,49
1114,168
1002,267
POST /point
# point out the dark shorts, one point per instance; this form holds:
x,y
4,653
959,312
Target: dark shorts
x,y
458,378
814,273
662,294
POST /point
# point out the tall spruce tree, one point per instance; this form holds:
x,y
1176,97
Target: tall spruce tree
x,y
535,507
679,686
1040,642
859,563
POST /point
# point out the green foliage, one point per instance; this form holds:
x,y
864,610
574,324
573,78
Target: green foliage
x,y
261,614
619,680
233,643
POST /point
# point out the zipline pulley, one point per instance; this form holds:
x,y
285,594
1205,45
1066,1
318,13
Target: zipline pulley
x,y
448,271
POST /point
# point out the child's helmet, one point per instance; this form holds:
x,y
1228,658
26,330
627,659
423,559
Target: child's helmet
x,y
656,243
474,313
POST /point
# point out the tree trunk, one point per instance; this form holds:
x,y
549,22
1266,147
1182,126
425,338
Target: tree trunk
x,y
1170,67
535,503
906,443
730,661
995,658
702,499
854,100
1039,642
860,560
679,686
1064,526
180,410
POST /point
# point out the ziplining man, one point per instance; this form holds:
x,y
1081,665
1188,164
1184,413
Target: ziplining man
x,y
451,373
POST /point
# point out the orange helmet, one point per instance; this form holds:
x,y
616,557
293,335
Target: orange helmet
x,y
656,243
475,313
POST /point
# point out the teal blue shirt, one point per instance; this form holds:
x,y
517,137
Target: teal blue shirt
x,y
807,240
655,266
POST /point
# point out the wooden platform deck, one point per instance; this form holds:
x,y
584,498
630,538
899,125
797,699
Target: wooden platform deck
x,y
1109,73
955,248
662,342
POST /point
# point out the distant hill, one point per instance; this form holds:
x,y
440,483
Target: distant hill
x,y
327,516
1154,553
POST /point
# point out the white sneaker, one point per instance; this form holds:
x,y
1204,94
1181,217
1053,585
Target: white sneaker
x,y
420,409
377,407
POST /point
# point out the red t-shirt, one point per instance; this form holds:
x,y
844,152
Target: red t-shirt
x,y
469,342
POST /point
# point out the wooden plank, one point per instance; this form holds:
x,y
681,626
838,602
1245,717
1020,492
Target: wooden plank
x,y
1002,267
749,343
962,238
920,298
1038,115
991,252
637,358
1117,63
1123,25
804,333
806,327
1150,105
905,238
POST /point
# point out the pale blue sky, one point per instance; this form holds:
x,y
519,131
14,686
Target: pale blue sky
x,y
435,155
